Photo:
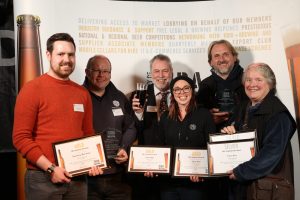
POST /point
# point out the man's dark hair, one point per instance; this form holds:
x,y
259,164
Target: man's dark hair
x,y
59,37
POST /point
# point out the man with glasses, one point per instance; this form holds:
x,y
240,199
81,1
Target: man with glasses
x,y
221,92
113,118
147,118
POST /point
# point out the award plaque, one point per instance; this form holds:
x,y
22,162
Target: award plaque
x,y
190,162
79,155
146,158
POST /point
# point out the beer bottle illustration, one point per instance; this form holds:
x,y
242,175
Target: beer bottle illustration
x,y
291,41
178,164
29,67
29,49
61,159
100,154
131,161
166,156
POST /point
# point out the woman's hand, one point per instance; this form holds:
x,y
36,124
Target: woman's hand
x,y
196,179
231,175
228,130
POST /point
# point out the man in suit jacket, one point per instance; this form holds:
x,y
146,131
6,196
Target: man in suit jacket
x,y
147,118
148,114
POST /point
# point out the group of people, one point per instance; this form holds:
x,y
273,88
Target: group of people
x,y
52,108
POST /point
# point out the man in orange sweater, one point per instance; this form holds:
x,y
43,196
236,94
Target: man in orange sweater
x,y
50,109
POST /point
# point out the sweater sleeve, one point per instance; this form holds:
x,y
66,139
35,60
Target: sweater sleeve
x,y
87,128
277,136
25,114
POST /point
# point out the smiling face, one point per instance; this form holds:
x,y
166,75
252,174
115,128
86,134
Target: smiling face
x,y
256,85
62,60
222,60
161,73
182,93
99,73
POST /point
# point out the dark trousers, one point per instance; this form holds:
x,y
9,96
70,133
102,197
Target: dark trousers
x,y
108,187
38,185
217,188
144,188
183,192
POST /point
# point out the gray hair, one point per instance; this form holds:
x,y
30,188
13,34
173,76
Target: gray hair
x,y
162,58
265,70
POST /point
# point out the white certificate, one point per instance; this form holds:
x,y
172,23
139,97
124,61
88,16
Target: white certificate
x,y
222,137
223,157
189,162
154,159
79,155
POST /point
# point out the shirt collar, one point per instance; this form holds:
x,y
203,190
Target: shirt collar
x,y
157,91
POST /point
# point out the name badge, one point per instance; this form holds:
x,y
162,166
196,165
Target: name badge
x,y
117,112
78,107
151,109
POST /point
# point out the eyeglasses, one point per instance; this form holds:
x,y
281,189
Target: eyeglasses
x,y
185,89
98,71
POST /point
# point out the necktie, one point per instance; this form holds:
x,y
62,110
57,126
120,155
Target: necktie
x,y
163,105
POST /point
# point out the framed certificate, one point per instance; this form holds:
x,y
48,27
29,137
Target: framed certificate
x,y
189,162
223,137
79,155
225,156
147,158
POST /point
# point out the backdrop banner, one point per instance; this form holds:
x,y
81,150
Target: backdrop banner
x,y
131,33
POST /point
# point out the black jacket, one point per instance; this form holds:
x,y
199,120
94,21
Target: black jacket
x,y
193,131
275,126
113,116
209,86
148,127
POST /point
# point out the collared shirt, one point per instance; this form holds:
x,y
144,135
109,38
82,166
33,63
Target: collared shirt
x,y
158,96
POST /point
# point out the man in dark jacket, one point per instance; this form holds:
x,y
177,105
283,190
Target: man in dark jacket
x,y
147,118
221,92
113,118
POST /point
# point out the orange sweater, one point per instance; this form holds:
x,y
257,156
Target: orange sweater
x,y
50,110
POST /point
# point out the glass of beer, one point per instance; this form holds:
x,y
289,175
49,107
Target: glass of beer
x,y
141,93
291,40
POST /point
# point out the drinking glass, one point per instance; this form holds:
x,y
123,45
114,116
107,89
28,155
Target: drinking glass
x,y
141,93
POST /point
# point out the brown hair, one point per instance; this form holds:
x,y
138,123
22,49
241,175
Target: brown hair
x,y
229,46
59,37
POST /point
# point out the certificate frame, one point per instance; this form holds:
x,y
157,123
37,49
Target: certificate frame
x,y
190,162
224,156
242,135
77,156
155,159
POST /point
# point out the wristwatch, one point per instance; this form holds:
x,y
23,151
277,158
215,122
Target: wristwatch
x,y
50,169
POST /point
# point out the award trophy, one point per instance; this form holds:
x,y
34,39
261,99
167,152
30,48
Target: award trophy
x,y
225,100
111,139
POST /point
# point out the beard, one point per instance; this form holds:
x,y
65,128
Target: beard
x,y
223,70
63,70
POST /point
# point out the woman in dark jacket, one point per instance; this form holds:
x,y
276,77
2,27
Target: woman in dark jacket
x,y
184,125
274,125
